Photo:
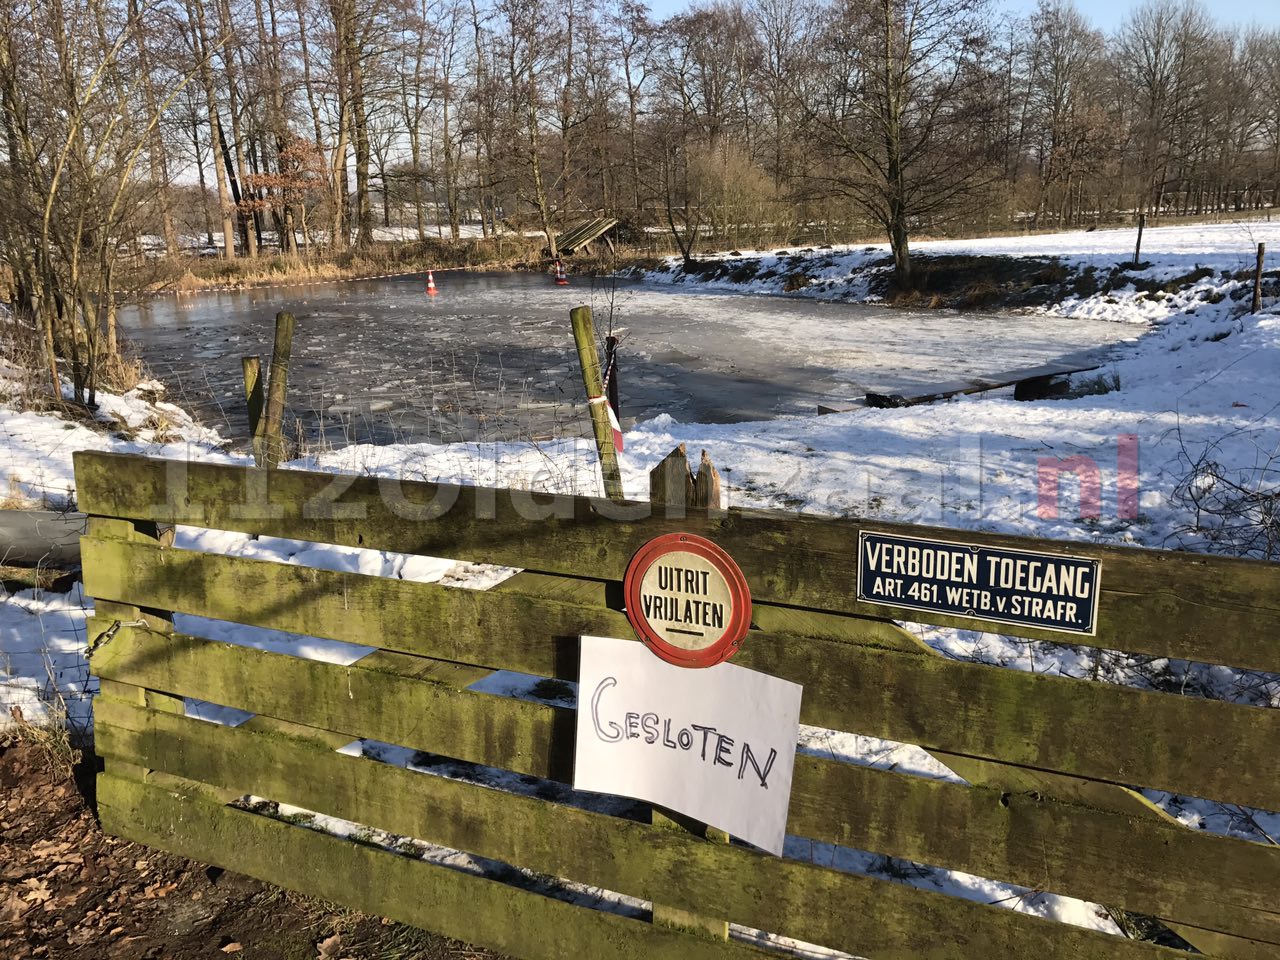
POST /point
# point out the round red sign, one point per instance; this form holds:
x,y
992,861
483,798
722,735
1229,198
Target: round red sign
x,y
687,600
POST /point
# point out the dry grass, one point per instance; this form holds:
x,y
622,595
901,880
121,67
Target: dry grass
x,y
119,373
22,353
54,742
30,578
17,498
250,273
25,380
190,276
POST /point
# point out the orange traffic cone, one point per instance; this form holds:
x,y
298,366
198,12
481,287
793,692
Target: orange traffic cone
x,y
431,284
561,279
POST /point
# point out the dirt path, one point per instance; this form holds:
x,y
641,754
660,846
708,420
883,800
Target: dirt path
x,y
70,892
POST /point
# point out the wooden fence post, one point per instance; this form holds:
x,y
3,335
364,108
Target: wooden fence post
x,y
706,485
270,426
1256,306
584,336
673,485
252,367
1137,250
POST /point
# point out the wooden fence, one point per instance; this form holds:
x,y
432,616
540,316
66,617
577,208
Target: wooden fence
x,y
1051,763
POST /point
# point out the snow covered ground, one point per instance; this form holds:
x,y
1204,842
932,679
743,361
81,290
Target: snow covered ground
x,y
1200,386
845,272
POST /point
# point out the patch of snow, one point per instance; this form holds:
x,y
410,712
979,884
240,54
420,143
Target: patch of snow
x,y
42,657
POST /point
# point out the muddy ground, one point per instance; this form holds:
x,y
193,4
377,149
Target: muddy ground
x,y
70,892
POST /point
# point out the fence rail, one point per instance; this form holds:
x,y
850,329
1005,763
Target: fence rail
x,y
1050,763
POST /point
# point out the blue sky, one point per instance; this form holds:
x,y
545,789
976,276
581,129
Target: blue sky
x,y
1106,14
1109,14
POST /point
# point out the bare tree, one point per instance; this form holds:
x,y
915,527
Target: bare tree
x,y
1067,125
75,128
904,94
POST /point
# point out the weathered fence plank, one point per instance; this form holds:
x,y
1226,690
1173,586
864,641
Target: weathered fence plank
x,y
1028,840
517,627
470,908
1037,721
805,901
1161,603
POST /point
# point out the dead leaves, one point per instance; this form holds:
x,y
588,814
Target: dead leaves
x,y
44,858
12,909
23,897
60,854
36,891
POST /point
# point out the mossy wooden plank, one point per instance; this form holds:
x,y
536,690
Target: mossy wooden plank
x,y
534,739
360,699
1026,732
1163,603
1169,871
506,629
1217,944
1210,748
296,731
469,908
502,629
1205,748
766,617
796,899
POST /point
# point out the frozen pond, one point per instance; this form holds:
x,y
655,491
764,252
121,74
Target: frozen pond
x,y
492,356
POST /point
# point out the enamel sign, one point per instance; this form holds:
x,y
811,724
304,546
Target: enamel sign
x,y
687,600
1046,590
718,745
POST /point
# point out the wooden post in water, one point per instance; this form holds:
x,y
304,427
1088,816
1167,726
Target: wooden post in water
x,y
271,429
1137,250
252,367
584,335
1256,306
672,485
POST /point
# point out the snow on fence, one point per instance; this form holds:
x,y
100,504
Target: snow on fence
x,y
1050,765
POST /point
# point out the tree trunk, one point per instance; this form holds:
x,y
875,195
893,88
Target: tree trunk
x,y
359,120
239,180
204,189
156,147
195,14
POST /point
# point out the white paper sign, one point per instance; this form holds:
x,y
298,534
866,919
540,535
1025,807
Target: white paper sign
x,y
717,744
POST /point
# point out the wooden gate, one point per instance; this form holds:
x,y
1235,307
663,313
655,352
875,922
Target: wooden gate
x,y
1051,763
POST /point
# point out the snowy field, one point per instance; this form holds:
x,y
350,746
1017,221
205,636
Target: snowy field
x,y
841,272
1201,386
